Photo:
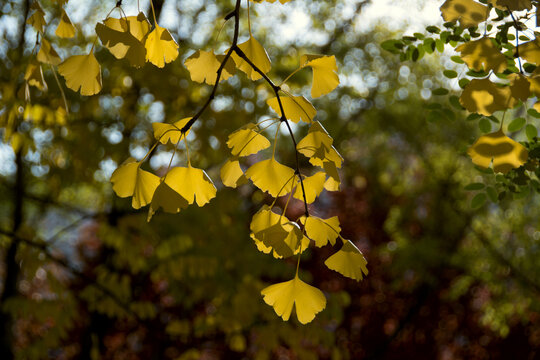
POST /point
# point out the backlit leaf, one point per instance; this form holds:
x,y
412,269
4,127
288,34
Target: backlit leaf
x,y
160,46
322,231
512,5
65,28
325,77
256,54
468,12
168,199
124,37
130,180
47,54
166,133
317,146
484,97
271,176
82,73
192,184
313,186
505,152
296,108
530,51
307,300
37,19
34,76
203,67
246,141
348,261
275,232
482,55
232,174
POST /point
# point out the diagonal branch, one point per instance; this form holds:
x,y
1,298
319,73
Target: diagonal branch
x,y
283,118
234,47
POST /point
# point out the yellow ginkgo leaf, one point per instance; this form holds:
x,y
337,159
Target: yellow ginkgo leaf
x,y
296,108
313,186
468,12
37,19
166,133
307,300
47,54
317,146
65,28
82,73
534,81
530,51
168,199
34,76
160,46
271,231
520,88
484,97
130,180
203,67
232,174
333,182
322,231
268,228
325,77
256,54
124,37
482,55
505,152
271,176
192,184
348,261
246,141
512,5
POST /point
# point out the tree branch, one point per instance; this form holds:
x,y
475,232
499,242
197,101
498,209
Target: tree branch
x,y
234,47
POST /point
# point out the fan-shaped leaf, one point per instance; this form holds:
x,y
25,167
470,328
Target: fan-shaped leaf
x,y
256,54
307,300
160,46
325,77
65,28
272,177
348,261
296,108
82,72
192,184
505,152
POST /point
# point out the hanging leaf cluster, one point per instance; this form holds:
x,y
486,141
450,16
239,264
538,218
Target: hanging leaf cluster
x,y
253,156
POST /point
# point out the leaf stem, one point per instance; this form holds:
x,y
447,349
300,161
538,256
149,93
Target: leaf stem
x,y
275,141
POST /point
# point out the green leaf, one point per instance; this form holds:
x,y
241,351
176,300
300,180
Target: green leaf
x,y
440,91
516,124
492,194
531,132
454,101
433,29
473,117
457,59
439,44
484,125
478,200
451,74
533,113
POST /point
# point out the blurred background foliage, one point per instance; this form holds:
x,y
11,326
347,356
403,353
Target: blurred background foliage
x,y
84,276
